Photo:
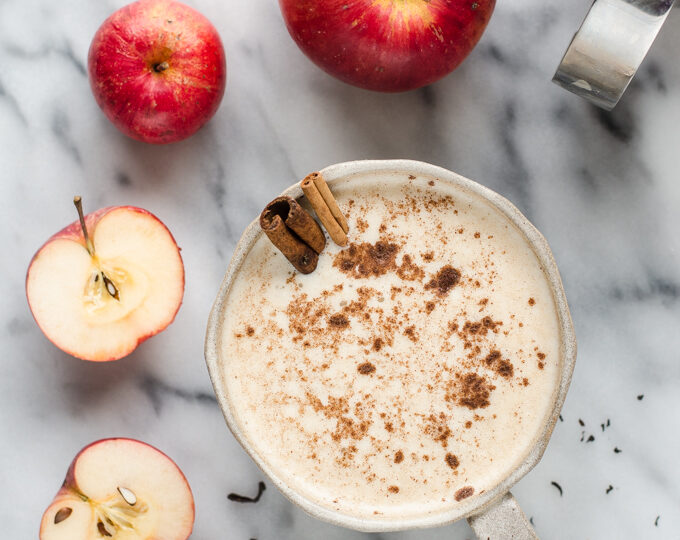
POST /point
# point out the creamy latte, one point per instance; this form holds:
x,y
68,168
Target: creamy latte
x,y
413,369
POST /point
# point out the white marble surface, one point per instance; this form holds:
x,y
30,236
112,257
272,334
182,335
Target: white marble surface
x,y
603,188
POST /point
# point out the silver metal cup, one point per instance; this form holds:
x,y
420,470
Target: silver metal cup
x,y
609,47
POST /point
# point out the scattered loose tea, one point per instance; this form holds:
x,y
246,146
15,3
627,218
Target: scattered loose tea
x,y
559,488
640,397
656,521
609,489
243,499
561,419
581,422
591,439
531,520
617,450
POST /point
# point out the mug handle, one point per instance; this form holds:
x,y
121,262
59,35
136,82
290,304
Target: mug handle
x,y
503,520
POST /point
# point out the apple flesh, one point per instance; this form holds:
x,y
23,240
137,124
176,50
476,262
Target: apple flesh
x,y
158,70
72,292
387,45
124,490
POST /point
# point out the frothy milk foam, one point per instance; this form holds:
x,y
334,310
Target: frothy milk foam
x,y
412,370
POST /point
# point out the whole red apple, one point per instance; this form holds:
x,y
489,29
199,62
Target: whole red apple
x,y
158,70
387,45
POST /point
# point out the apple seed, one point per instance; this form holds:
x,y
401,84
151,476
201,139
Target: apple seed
x,y
127,495
62,514
110,287
102,529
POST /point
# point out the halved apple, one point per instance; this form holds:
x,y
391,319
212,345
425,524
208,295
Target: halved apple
x,y
124,490
100,305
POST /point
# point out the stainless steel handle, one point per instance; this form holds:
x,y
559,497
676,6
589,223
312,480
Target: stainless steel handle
x,y
609,47
503,521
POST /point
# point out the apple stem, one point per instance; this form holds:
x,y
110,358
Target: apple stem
x,y
108,284
78,201
159,68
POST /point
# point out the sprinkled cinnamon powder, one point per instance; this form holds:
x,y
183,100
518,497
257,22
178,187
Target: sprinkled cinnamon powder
x,y
364,260
444,280
338,321
452,461
437,427
464,493
409,271
410,332
366,368
503,367
470,390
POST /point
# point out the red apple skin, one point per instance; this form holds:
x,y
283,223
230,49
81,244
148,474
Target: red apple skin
x,y
74,232
149,105
385,45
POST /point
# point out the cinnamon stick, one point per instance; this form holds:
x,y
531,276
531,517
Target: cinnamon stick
x,y
294,232
326,208
330,201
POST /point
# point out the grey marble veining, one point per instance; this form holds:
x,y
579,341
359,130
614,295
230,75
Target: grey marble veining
x,y
603,188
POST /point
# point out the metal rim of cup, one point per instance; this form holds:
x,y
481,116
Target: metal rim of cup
x,y
469,507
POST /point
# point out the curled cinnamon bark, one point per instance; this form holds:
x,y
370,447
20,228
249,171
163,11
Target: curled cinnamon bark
x,y
294,232
324,204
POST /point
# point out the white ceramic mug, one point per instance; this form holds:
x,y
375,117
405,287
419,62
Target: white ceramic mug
x,y
494,514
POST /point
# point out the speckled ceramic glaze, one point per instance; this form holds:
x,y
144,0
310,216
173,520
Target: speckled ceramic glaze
x,y
493,514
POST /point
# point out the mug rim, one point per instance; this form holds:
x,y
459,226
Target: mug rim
x,y
478,503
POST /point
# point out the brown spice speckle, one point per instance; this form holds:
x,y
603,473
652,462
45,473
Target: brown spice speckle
x,y
470,390
437,427
464,493
364,260
338,321
445,280
410,332
366,368
452,461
